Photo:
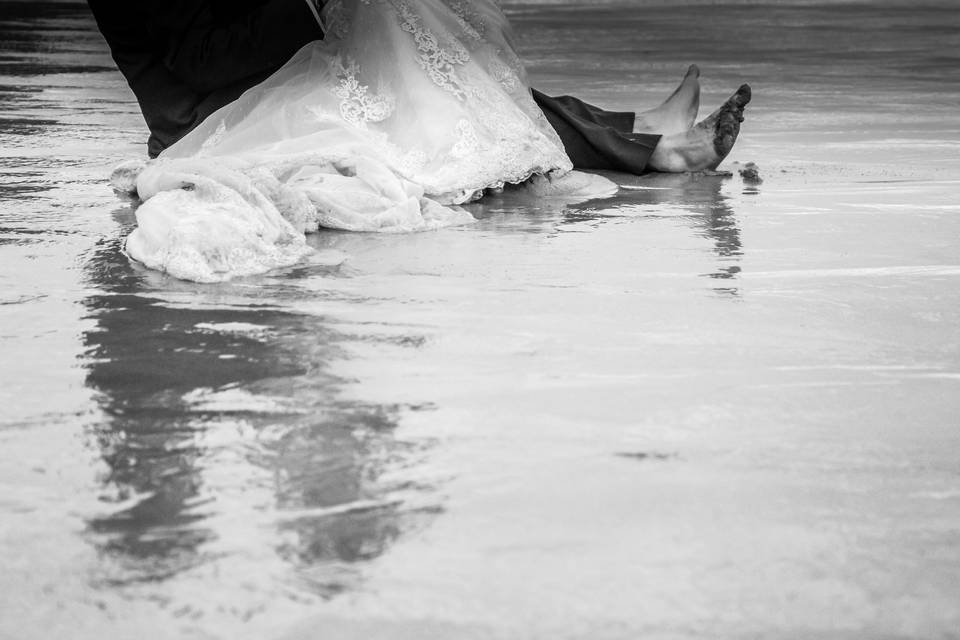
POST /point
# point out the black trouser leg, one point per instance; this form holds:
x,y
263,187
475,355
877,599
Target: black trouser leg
x,y
595,138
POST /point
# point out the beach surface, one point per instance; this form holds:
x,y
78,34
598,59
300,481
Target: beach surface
x,y
703,408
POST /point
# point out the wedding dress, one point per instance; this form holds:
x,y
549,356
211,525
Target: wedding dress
x,y
405,110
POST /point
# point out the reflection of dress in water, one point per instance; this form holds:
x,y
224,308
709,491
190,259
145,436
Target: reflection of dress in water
x,y
405,107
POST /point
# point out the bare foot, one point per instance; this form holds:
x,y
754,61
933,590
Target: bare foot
x,y
704,146
678,112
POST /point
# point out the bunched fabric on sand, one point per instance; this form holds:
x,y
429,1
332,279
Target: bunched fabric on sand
x,y
210,222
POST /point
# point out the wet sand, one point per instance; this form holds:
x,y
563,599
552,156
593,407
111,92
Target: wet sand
x,y
700,409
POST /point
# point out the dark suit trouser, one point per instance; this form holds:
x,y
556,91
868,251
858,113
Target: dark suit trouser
x,y
184,59
595,138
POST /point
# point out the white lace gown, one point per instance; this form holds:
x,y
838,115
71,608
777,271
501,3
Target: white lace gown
x,y
406,109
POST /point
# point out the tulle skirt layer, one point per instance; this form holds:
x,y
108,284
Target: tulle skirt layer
x,y
407,109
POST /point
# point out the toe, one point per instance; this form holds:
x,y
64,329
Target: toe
x,y
744,95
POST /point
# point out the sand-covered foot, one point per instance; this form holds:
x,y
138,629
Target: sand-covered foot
x,y
678,112
704,146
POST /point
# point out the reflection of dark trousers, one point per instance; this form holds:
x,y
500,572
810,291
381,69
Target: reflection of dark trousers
x,y
597,139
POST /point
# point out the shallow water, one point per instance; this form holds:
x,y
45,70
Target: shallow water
x,y
701,409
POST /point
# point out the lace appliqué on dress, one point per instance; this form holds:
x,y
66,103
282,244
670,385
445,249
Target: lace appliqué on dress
x,y
503,74
357,105
469,20
467,140
436,58
496,133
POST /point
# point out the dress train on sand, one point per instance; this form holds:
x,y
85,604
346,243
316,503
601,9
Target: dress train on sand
x,y
406,110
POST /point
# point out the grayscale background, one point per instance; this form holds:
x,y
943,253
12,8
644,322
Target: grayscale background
x,y
700,409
